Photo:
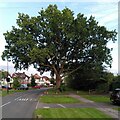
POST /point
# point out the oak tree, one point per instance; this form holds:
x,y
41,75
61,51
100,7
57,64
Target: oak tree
x,y
58,41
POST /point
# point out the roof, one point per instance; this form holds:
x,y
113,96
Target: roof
x,y
45,77
36,76
20,75
24,82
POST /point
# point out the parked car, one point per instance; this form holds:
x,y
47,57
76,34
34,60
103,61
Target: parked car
x,y
23,87
5,87
115,96
37,87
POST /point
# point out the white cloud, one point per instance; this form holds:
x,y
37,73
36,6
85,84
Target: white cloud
x,y
103,13
108,18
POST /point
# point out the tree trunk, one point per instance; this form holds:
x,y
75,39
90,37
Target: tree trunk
x,y
58,81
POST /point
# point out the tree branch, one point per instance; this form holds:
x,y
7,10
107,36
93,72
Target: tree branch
x,y
46,65
62,68
72,71
54,69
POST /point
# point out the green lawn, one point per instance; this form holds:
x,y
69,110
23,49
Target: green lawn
x,y
69,113
97,98
53,91
4,92
94,97
85,94
58,99
118,109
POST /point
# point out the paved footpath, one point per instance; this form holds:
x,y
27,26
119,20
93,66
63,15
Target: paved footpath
x,y
108,109
85,103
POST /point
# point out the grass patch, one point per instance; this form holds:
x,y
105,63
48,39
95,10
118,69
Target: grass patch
x,y
97,98
53,91
57,99
94,97
118,109
4,92
82,92
70,113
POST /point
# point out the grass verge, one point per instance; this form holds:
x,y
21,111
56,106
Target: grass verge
x,y
53,91
94,97
57,99
69,113
4,92
118,109
97,98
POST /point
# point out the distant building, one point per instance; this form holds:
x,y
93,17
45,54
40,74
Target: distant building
x,y
22,77
41,80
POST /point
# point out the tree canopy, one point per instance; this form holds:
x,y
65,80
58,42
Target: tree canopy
x,y
58,41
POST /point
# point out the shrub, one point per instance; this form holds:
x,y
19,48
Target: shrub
x,y
102,88
16,83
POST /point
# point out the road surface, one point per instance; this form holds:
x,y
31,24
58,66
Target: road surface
x,y
20,105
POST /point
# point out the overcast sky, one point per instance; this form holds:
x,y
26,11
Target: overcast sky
x,y
104,11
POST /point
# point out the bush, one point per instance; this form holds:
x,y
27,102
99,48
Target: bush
x,y
16,83
52,81
28,84
33,81
115,85
62,87
102,88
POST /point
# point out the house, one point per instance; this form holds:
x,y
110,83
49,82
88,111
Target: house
x,y
38,80
46,80
22,77
41,80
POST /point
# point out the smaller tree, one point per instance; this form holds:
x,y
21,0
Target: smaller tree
x,y
16,83
33,81
116,83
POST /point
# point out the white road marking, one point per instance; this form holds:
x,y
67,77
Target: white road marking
x,y
26,99
37,104
5,104
23,99
61,105
18,98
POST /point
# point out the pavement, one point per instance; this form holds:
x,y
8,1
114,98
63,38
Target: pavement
x,y
85,103
107,109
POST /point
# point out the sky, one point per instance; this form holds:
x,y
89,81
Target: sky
x,y
104,11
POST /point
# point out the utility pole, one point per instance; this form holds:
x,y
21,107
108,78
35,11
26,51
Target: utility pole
x,y
7,79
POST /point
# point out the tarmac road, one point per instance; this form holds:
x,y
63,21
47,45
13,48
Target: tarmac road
x,y
20,105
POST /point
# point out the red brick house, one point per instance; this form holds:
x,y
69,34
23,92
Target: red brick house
x,y
22,77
